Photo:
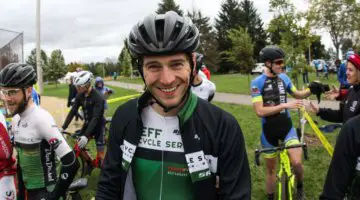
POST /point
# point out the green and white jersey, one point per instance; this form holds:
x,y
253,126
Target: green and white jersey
x,y
37,139
160,169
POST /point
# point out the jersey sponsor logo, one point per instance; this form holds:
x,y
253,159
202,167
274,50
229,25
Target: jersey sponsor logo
x,y
268,88
9,195
128,150
255,90
196,161
353,106
22,139
157,139
49,164
64,176
24,125
178,171
54,143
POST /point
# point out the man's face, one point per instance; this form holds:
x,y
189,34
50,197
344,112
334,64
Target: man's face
x,y
167,77
277,65
13,98
82,88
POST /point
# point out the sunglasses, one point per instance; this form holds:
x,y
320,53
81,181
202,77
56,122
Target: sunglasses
x,y
279,62
9,93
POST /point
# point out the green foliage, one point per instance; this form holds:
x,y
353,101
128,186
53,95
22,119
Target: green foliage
x,y
31,59
125,60
251,21
337,17
242,49
227,19
167,5
208,43
74,65
57,68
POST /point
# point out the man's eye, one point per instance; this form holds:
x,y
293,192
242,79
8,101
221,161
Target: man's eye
x,y
177,65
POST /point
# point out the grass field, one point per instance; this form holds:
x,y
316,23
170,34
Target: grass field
x,y
239,83
315,168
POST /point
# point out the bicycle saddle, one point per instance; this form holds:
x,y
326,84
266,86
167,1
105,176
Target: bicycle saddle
x,y
79,184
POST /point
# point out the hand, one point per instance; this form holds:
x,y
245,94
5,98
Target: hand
x,y
333,93
82,141
294,104
313,108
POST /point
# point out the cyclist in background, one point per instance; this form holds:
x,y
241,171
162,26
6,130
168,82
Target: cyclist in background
x,y
202,87
269,97
92,103
37,139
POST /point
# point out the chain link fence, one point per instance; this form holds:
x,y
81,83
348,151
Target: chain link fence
x,y
11,47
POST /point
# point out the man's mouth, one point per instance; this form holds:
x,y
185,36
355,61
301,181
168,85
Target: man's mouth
x,y
168,89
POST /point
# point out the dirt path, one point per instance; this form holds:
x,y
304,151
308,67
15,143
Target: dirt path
x,y
57,108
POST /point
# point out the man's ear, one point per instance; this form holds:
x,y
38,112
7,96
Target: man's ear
x,y
28,91
193,55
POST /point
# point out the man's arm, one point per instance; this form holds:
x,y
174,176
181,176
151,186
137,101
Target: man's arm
x,y
97,115
234,171
72,113
110,176
262,111
330,115
342,168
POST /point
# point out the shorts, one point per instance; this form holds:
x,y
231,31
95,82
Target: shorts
x,y
100,140
290,139
8,188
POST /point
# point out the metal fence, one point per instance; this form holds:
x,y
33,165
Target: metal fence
x,y
11,47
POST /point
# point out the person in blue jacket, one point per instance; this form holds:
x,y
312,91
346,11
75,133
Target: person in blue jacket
x,y
342,70
35,96
99,86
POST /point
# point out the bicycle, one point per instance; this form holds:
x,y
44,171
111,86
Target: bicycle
x,y
86,160
285,173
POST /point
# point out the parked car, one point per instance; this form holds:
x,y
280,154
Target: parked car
x,y
258,69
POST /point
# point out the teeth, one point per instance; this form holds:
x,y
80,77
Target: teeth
x,y
168,89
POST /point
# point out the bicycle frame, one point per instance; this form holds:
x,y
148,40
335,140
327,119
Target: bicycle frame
x,y
285,168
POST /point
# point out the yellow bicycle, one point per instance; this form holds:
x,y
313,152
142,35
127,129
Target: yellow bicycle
x,y
285,175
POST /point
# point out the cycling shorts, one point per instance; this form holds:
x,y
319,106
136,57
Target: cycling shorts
x,y
290,139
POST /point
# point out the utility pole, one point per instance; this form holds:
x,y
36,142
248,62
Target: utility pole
x,y
38,50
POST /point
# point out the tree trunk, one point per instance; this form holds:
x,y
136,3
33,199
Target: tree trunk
x,y
337,47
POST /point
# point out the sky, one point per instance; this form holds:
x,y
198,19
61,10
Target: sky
x,y
92,30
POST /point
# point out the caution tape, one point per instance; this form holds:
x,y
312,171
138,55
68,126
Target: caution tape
x,y
318,133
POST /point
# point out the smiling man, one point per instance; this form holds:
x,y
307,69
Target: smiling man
x,y
170,144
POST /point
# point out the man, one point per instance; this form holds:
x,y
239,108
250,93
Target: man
x,y
169,144
202,87
92,103
105,91
343,177
270,103
37,139
206,71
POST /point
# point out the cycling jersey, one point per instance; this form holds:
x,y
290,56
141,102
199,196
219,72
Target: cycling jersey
x,y
6,149
93,108
104,91
272,91
212,142
202,74
168,177
37,139
205,90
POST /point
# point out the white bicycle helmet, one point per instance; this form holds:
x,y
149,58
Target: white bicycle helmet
x,y
83,78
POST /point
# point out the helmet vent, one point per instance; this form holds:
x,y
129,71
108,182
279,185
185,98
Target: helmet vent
x,y
176,31
159,24
144,34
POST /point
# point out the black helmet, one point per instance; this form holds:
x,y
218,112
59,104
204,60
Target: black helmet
x,y
166,33
199,61
271,53
17,75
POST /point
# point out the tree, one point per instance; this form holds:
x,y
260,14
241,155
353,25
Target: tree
x,y
125,60
74,65
168,5
57,68
208,43
241,52
317,49
31,59
228,18
346,44
251,21
336,17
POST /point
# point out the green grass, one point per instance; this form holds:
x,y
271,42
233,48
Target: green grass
x,y
315,168
239,83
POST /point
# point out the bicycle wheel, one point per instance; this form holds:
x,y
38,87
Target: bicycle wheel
x,y
284,184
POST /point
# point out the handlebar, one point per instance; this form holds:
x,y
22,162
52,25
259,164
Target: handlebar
x,y
279,148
